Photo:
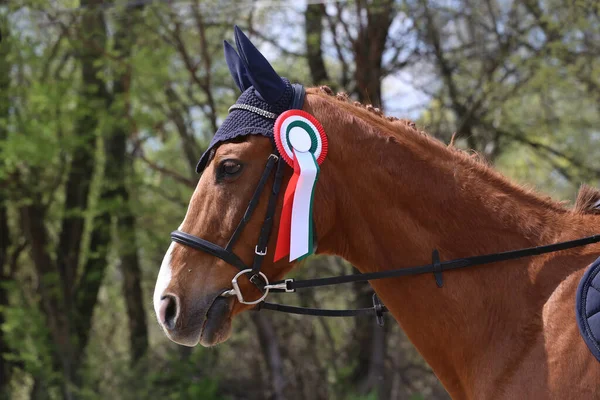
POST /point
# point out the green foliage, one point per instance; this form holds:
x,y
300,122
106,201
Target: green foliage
x,y
25,330
170,378
525,96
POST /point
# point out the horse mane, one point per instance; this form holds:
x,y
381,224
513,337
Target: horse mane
x,y
394,128
588,201
398,126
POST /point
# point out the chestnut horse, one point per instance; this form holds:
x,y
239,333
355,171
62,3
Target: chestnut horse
x,y
386,196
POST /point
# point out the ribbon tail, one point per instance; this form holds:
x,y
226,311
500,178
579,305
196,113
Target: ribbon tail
x,y
311,232
282,248
301,237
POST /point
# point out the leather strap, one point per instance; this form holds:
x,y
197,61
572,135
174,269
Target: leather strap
x,y
319,312
265,231
443,266
214,250
437,268
253,201
379,309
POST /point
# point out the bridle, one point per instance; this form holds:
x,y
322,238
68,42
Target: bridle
x,y
226,253
276,165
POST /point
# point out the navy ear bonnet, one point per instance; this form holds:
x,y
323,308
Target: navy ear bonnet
x,y
265,96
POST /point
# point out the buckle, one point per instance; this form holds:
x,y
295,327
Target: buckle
x,y
378,308
437,268
259,252
282,286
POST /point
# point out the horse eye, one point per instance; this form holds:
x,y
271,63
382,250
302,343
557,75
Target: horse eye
x,y
229,168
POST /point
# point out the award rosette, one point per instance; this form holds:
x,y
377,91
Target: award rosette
x,y
302,143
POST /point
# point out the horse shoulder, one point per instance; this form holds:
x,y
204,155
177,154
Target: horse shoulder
x,y
558,364
573,372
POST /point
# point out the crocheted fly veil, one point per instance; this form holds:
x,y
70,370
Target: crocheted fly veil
x,y
271,106
265,95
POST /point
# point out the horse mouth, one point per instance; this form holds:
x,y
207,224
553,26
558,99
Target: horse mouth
x,y
216,327
208,323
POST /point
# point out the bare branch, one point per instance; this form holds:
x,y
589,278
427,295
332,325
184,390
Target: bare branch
x,y
167,172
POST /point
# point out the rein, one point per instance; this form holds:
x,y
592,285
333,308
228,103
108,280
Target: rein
x,y
436,267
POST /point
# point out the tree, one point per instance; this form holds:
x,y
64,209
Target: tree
x,y
116,192
5,243
67,297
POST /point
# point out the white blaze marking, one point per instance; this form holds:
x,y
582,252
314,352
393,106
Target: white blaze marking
x,y
164,278
164,275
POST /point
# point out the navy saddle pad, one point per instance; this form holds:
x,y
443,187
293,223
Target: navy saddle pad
x,y
587,308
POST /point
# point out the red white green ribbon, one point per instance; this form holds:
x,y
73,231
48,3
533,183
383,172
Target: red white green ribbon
x,y
302,143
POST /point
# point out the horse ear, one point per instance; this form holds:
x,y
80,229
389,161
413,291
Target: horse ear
x,y
261,74
236,67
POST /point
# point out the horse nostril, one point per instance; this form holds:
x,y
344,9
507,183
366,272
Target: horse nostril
x,y
168,312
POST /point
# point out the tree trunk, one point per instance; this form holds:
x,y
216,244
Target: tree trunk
x,y
433,37
269,344
132,289
313,30
32,217
117,169
39,390
4,233
94,97
370,344
375,378
369,47
4,279
69,310
315,371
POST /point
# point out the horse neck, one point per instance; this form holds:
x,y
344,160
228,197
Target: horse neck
x,y
397,196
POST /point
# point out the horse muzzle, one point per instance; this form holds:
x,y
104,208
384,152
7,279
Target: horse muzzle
x,y
207,322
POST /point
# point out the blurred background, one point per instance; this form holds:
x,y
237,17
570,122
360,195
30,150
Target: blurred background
x,y
106,106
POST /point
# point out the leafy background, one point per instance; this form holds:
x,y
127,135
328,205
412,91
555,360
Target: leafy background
x,y
105,107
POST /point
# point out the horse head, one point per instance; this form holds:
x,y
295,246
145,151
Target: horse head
x,y
232,220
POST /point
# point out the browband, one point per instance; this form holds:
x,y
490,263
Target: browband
x,y
297,103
